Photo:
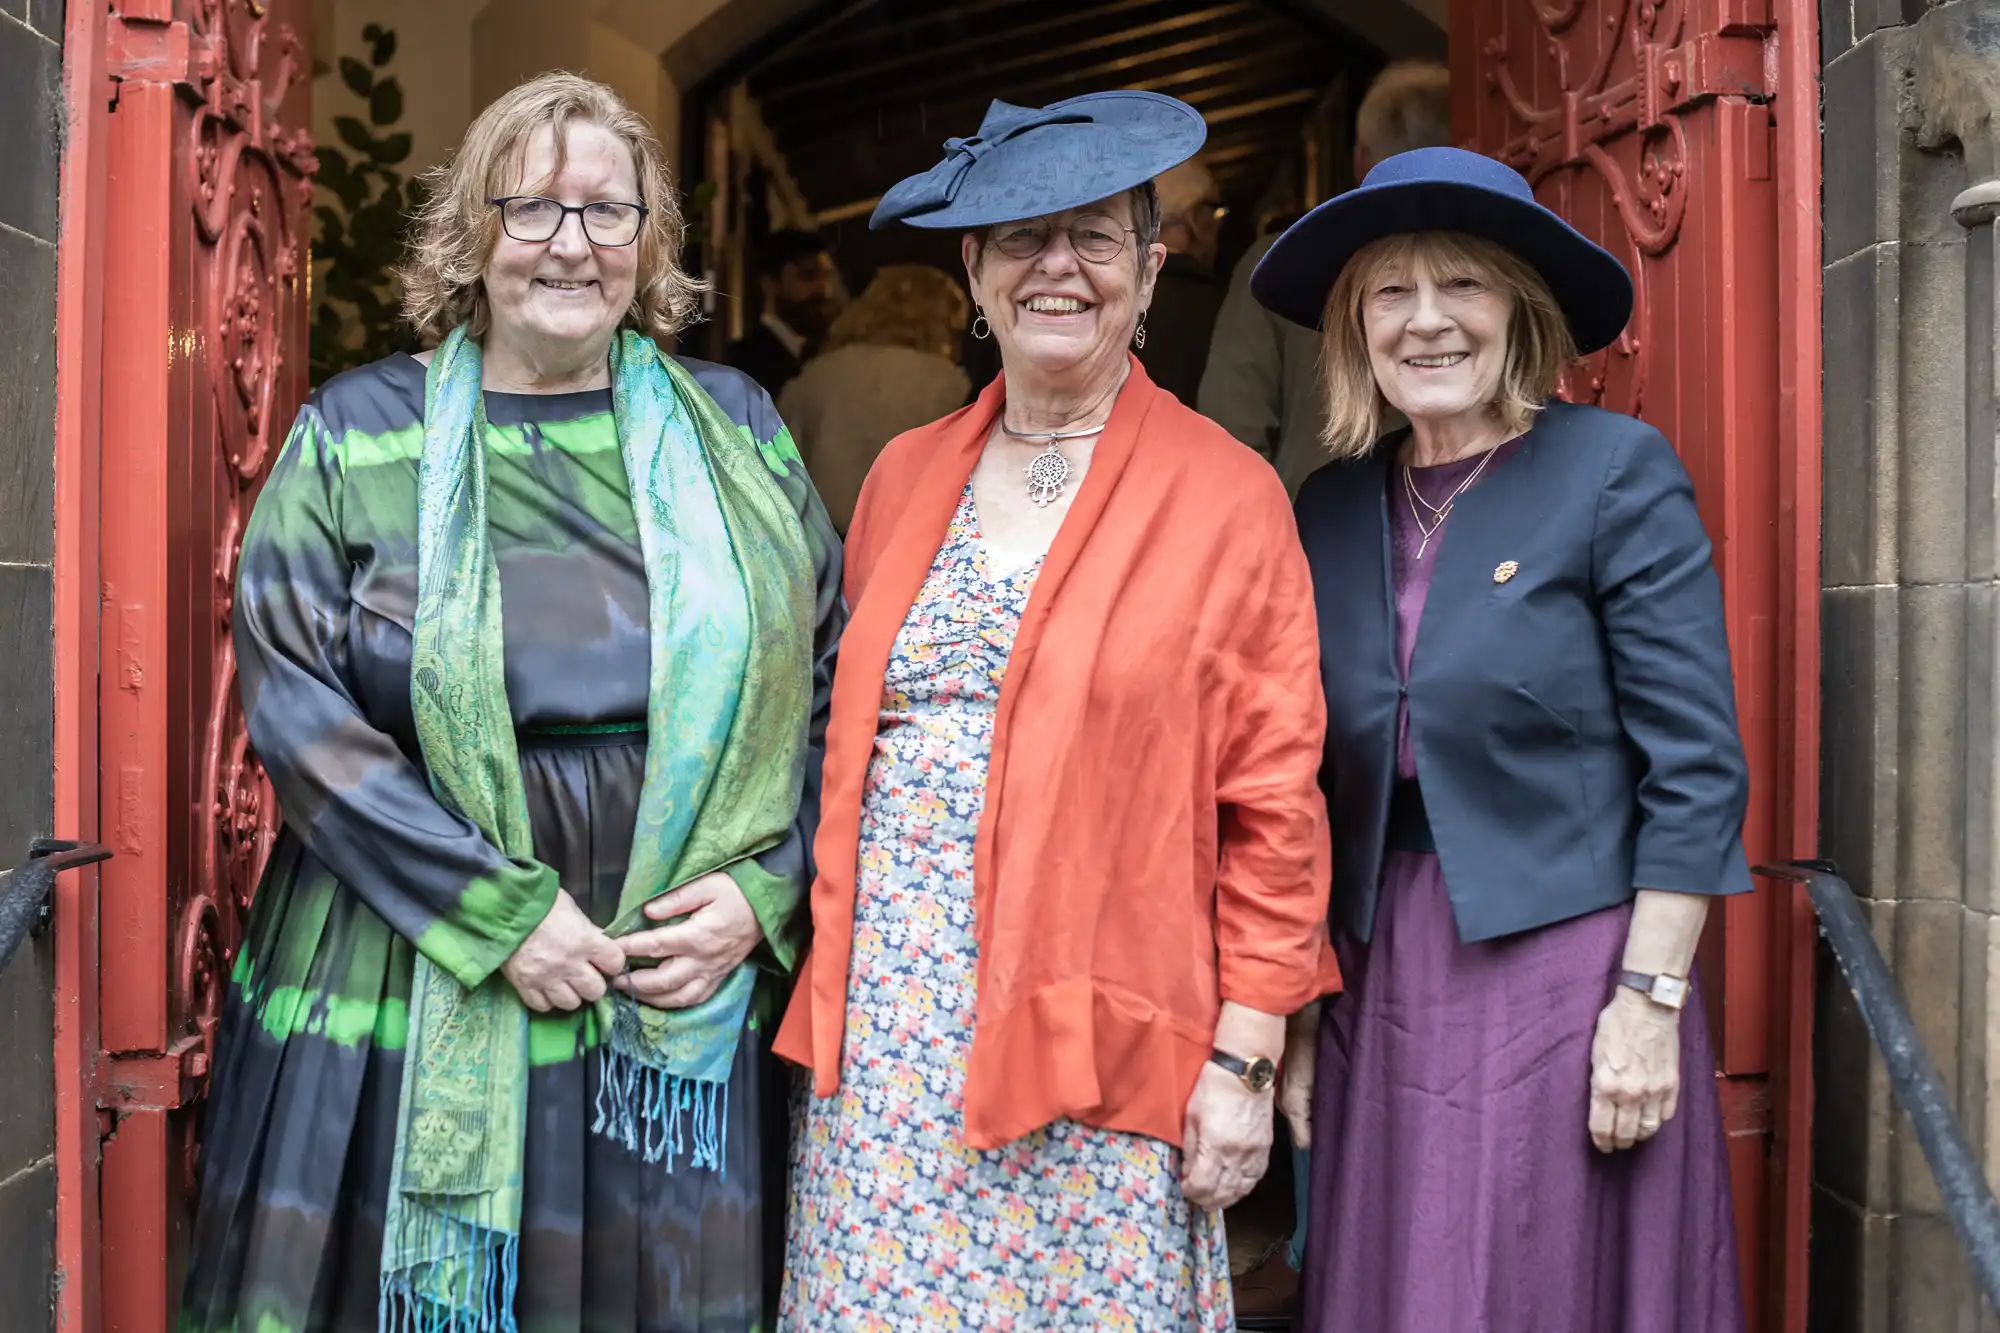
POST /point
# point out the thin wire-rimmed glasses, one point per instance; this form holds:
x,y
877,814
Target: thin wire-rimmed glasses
x,y
1094,237
531,218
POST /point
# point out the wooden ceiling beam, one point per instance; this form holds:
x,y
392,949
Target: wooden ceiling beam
x,y
824,122
1262,106
825,33
1222,157
776,98
1259,61
829,36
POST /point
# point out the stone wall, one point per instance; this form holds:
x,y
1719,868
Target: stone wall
x,y
31,118
1912,551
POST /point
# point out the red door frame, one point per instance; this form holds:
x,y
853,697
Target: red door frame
x,y
79,421
185,189
1684,136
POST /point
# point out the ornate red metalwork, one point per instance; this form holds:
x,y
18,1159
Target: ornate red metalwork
x,y
1682,136
204,179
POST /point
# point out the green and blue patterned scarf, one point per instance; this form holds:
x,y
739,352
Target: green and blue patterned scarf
x,y
730,692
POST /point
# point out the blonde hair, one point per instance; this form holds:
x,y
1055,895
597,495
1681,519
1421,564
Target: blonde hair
x,y
455,231
1539,341
1183,188
1406,108
905,305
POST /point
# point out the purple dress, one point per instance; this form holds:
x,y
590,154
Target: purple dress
x,y
1454,1185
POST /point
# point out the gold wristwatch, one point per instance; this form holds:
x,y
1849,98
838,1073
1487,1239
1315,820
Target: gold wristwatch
x,y
1258,1073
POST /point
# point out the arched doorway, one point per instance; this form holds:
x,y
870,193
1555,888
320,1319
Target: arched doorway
x,y
1682,133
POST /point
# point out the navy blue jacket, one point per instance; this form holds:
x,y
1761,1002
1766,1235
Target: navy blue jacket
x,y
1574,724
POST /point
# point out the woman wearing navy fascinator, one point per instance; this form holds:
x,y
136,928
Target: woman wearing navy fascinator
x,y
1072,865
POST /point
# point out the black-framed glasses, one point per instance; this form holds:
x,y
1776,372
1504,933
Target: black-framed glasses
x,y
531,218
1093,236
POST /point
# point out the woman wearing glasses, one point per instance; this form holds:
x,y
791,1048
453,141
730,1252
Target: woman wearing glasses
x,y
1072,866
489,1060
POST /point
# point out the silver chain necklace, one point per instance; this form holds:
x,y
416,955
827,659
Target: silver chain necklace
x,y
1048,471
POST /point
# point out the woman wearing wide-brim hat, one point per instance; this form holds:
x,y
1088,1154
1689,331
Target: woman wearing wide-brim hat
x,y
1072,859
1534,799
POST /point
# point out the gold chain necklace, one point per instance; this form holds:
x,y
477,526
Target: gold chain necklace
x,y
1440,512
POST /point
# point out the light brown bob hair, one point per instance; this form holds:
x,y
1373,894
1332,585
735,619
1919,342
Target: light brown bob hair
x,y
453,234
905,305
1539,341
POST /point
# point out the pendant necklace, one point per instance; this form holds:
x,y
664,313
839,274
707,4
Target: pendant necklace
x,y
1048,471
1439,512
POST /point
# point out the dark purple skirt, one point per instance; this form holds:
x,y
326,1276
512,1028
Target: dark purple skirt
x,y
1454,1185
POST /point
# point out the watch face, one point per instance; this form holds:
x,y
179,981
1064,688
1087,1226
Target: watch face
x,y
1261,1073
1670,991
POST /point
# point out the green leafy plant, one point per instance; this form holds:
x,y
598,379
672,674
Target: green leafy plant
x,y
695,211
357,315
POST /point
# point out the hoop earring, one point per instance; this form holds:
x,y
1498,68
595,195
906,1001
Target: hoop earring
x,y
1139,334
980,328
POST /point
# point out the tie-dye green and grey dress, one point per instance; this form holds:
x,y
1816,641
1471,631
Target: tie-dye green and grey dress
x,y
302,1123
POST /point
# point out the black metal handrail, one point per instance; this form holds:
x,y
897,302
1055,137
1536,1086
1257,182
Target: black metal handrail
x,y
1912,1076
25,903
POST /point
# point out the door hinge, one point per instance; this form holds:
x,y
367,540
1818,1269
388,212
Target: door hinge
x,y
1712,65
152,51
160,1082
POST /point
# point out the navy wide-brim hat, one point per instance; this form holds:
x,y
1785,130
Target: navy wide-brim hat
x,y
1446,189
1026,162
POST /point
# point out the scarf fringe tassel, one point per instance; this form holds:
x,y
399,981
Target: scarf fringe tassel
x,y
660,1116
481,1280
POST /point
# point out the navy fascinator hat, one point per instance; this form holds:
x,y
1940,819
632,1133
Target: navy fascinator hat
x,y
1026,162
1446,189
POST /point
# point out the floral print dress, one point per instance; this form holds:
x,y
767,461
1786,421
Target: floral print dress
x,y
896,1224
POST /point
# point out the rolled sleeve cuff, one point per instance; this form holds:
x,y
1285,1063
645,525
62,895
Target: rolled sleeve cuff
x,y
1707,878
1273,986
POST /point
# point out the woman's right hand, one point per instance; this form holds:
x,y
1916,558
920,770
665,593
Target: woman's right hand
x,y
1295,1080
565,962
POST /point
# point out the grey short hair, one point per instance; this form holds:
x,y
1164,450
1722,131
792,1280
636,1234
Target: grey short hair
x,y
1146,219
1407,107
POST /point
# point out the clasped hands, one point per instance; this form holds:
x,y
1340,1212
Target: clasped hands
x,y
568,962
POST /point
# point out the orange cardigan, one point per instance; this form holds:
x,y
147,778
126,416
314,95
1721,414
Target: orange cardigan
x,y
1153,840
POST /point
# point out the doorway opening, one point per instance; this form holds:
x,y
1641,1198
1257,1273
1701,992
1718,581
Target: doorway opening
x,y
806,129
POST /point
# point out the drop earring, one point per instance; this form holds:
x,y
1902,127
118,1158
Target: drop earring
x,y
981,329
1139,334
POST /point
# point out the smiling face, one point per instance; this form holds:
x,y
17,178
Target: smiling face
x,y
1059,313
562,299
1437,336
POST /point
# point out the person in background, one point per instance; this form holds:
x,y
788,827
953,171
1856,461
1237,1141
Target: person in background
x,y
1262,380
1263,386
1173,340
890,365
800,288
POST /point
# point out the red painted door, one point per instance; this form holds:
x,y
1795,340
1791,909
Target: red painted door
x,y
1683,136
184,289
